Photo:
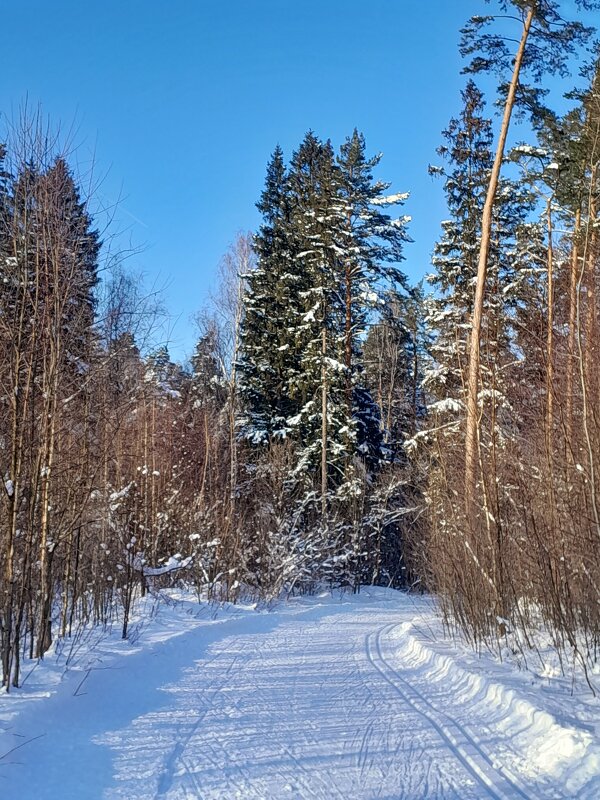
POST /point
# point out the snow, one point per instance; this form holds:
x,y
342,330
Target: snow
x,y
528,150
324,697
334,364
447,405
172,564
390,199
116,497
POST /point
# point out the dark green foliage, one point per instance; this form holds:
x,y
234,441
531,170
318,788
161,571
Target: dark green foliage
x,y
207,382
268,359
325,250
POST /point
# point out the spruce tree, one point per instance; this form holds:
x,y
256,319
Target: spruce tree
x,y
320,383
4,210
374,248
351,247
74,250
207,382
268,358
467,151
326,251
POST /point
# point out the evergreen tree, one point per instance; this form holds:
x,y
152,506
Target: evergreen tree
x,y
162,374
320,383
395,355
450,315
374,248
545,43
73,251
326,251
348,248
4,211
207,385
268,357
467,150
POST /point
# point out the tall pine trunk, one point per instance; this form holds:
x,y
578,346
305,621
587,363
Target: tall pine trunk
x,y
550,342
323,423
572,324
472,431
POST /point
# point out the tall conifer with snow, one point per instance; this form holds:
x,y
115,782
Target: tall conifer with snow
x,y
268,360
207,380
373,251
467,151
327,251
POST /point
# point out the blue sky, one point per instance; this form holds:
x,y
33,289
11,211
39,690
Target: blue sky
x,y
181,102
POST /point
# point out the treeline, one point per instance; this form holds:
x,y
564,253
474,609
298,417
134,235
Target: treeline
x,y
81,417
335,425
263,464
512,437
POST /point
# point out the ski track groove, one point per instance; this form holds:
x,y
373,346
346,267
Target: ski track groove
x,y
167,778
341,703
293,777
486,774
377,745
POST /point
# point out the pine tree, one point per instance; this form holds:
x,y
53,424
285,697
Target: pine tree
x,y
546,41
467,152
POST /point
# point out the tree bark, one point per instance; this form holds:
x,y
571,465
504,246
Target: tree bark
x,y
472,432
572,324
323,424
550,342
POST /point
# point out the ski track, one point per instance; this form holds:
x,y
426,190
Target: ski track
x,y
492,782
315,702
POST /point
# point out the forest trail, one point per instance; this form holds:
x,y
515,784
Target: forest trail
x,y
318,699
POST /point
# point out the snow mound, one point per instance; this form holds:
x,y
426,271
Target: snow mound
x,y
523,738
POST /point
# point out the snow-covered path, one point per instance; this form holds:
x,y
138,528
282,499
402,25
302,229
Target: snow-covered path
x,y
318,699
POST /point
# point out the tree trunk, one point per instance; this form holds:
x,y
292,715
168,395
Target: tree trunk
x,y
323,424
572,324
550,343
472,437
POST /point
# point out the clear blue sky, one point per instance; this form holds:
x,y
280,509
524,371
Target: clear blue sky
x,y
182,101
